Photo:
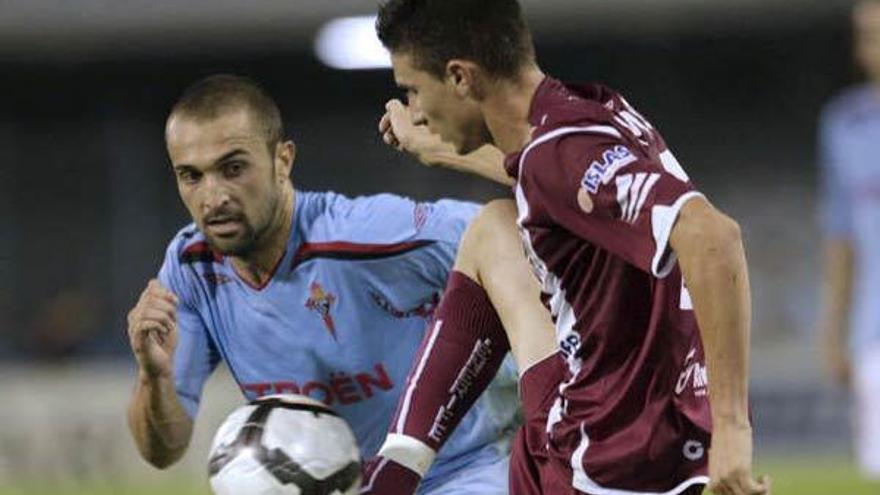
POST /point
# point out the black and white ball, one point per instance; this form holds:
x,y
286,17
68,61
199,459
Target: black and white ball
x,y
284,445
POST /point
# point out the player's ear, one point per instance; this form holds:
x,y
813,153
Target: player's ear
x,y
465,78
285,156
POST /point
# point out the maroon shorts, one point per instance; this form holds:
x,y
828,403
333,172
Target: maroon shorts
x,y
537,464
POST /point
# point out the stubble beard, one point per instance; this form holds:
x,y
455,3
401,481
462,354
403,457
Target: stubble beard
x,y
251,237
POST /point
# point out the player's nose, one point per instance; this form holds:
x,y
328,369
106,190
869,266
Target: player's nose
x,y
415,112
214,195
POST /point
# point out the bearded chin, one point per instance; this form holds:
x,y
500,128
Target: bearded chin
x,y
251,239
239,247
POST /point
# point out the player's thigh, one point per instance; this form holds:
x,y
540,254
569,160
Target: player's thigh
x,y
866,386
491,253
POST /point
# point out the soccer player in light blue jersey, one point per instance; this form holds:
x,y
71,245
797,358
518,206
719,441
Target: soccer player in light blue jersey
x,y
297,292
850,221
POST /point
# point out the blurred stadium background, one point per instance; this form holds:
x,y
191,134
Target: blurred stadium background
x,y
87,200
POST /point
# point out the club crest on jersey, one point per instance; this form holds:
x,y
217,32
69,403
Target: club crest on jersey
x,y
322,302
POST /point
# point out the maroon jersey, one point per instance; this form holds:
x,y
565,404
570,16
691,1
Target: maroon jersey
x,y
598,193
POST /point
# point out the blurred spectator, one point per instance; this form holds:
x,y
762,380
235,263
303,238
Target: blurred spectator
x,y
64,323
850,218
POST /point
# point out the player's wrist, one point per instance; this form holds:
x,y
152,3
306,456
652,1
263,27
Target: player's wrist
x,y
150,376
408,452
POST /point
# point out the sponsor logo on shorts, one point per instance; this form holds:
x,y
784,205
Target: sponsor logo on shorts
x,y
694,375
693,450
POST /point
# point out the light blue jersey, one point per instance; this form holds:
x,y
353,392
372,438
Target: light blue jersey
x,y
849,138
340,319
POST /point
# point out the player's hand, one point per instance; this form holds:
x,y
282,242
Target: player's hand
x,y
836,358
730,462
152,330
399,131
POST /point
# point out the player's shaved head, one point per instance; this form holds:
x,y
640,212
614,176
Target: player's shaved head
x,y
215,95
866,31
492,33
225,141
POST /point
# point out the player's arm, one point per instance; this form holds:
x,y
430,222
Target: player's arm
x,y
837,284
158,422
837,255
399,130
490,305
712,260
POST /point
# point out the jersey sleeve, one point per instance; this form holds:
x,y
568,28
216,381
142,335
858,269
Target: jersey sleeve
x,y
835,205
610,194
436,228
195,357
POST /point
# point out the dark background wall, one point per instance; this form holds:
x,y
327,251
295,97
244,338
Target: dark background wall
x,y
87,200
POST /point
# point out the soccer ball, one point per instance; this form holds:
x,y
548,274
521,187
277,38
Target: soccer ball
x,y
284,445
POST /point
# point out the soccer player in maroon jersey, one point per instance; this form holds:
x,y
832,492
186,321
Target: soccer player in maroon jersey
x,y
645,280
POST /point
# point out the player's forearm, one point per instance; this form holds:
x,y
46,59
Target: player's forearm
x,y
160,426
836,288
458,358
487,162
714,268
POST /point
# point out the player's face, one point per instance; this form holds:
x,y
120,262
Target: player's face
x,y
227,178
867,37
454,116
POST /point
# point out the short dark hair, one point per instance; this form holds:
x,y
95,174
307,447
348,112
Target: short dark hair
x,y
492,33
209,97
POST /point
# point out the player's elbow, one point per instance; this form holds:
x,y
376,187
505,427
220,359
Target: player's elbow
x,y
724,236
160,457
159,449
705,235
159,462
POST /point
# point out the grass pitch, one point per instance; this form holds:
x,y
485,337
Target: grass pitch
x,y
790,477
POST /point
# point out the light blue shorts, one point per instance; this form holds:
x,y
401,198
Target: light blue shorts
x,y
485,473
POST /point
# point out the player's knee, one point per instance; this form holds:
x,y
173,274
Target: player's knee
x,y
495,218
495,224
499,210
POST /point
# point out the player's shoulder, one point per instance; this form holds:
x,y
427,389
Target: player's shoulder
x,y
376,218
849,104
333,206
573,123
189,246
560,107
592,116
325,215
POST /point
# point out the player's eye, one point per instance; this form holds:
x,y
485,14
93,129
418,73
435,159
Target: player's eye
x,y
188,176
233,169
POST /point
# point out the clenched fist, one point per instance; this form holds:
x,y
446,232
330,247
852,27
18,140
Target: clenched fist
x,y
730,463
402,131
152,330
